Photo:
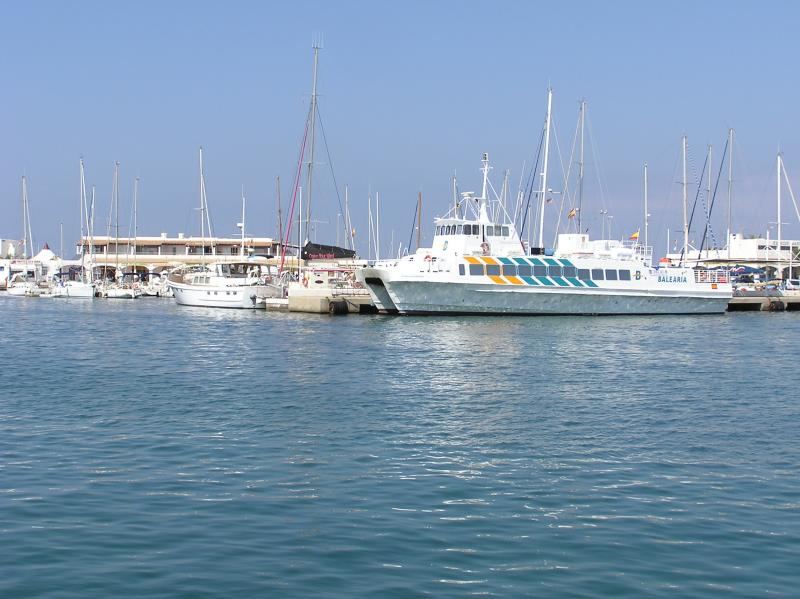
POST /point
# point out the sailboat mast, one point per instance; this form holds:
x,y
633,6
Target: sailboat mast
x,y
685,207
419,217
544,172
730,186
312,121
377,225
82,205
243,222
778,253
90,233
202,207
580,167
135,214
708,201
116,219
280,215
646,213
27,236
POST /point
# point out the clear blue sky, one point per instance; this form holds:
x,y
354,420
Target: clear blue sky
x,y
409,93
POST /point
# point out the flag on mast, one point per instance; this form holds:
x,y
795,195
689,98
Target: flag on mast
x,y
572,213
635,236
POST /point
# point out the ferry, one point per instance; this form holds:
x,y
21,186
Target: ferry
x,y
477,264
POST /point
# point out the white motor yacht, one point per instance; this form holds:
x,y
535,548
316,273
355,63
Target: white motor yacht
x,y
224,285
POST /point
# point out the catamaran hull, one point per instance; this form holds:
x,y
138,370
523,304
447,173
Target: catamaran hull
x,y
426,297
207,296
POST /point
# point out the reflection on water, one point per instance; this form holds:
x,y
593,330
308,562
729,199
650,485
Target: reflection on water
x,y
146,447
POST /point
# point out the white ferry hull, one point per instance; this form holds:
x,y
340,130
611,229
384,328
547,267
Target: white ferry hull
x,y
221,296
445,297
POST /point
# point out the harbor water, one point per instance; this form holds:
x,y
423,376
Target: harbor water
x,y
152,450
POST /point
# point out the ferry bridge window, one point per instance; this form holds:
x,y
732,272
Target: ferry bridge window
x,y
476,270
540,270
570,271
461,269
505,231
489,231
524,270
458,230
611,274
583,274
597,274
493,270
554,271
624,275
450,229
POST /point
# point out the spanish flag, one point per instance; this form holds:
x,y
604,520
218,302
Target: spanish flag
x,y
635,236
572,213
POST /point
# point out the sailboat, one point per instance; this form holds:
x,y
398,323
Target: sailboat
x,y
83,287
119,289
25,283
221,284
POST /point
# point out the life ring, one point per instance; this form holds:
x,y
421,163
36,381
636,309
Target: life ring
x,y
305,282
428,258
485,248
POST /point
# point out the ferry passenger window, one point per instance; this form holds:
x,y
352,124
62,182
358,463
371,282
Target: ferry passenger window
x,y
540,270
476,270
461,269
597,274
489,231
493,270
583,274
624,275
554,271
458,230
505,231
498,230
476,229
570,271
611,274
524,270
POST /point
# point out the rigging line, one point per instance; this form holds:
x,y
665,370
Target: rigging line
x,y
709,229
599,169
565,192
294,198
529,187
414,222
697,195
330,162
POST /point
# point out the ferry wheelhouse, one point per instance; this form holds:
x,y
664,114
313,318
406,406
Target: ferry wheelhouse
x,y
477,264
